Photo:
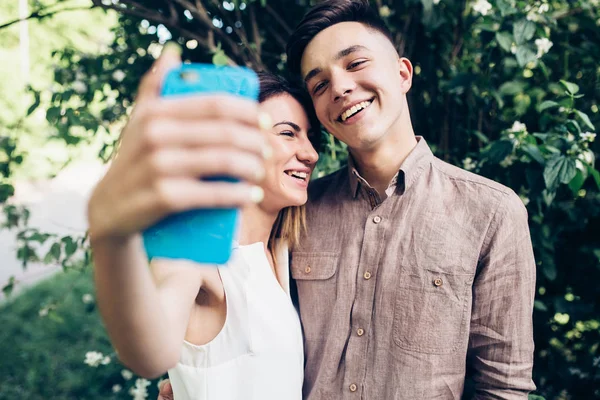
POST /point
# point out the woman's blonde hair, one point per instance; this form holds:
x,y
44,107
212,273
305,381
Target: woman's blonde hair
x,y
291,221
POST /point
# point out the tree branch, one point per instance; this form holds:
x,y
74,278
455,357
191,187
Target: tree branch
x,y
42,13
280,20
255,32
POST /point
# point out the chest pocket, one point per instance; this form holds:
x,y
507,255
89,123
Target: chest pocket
x,y
430,311
315,275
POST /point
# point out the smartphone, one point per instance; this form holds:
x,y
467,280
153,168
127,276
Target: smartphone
x,y
201,235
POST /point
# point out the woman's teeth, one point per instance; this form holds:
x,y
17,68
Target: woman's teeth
x,y
354,109
297,174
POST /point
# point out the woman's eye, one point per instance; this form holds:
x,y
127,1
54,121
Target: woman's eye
x,y
318,87
287,133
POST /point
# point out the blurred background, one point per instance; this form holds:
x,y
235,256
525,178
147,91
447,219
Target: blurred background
x,y
509,89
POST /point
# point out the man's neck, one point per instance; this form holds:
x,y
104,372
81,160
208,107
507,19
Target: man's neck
x,y
379,165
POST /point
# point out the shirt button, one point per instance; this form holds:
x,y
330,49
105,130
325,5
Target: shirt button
x,y
353,387
367,275
307,269
377,219
360,331
438,282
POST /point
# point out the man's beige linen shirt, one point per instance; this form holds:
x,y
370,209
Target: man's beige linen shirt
x,y
401,298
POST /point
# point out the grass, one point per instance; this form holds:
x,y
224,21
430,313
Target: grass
x,y
42,356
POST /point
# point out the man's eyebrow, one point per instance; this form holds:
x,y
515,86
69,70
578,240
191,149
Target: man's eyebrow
x,y
293,125
341,54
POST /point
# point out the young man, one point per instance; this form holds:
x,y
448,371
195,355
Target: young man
x,y
413,273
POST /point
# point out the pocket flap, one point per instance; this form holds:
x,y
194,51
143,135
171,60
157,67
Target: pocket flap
x,y
313,266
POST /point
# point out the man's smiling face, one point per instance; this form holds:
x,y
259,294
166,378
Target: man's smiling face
x,y
358,84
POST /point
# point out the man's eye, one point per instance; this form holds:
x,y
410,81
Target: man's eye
x,y
356,64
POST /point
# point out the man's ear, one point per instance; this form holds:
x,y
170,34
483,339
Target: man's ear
x,y
406,73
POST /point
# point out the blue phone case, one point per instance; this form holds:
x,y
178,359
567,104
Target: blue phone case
x,y
202,235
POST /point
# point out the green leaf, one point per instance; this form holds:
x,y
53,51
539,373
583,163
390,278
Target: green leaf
x,y
500,150
512,88
525,55
481,136
534,152
559,169
595,174
523,30
546,105
540,306
577,182
535,397
574,125
572,88
53,254
505,40
70,246
586,120
220,58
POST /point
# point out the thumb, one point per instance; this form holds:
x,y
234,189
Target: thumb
x,y
151,83
165,391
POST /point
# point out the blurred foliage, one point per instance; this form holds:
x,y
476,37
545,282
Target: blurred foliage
x,y
47,333
506,88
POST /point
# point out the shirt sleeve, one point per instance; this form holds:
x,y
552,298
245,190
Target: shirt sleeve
x,y
500,354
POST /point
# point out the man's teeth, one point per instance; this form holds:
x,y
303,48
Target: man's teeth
x,y
354,109
297,174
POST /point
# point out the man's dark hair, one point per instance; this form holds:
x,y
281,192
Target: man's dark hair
x,y
326,14
274,85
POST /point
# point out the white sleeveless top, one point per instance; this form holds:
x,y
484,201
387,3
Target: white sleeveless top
x,y
258,354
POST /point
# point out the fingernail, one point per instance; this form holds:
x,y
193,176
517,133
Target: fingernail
x,y
264,121
257,194
267,152
172,47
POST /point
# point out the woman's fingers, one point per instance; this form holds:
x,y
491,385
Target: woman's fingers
x,y
205,162
161,133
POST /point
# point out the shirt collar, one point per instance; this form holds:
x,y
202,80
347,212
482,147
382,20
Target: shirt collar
x,y
409,171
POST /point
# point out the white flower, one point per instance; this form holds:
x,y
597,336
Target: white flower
x,y
524,199
118,75
436,2
587,157
139,392
588,136
105,360
94,358
543,46
513,48
518,126
43,312
385,12
469,164
482,7
79,87
508,161
544,8
87,298
533,16
126,374
116,388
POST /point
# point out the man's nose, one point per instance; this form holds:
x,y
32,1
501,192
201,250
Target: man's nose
x,y
342,85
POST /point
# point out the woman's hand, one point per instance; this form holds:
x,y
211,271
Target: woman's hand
x,y
167,145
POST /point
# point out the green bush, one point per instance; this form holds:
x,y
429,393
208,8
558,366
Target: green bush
x,y
46,333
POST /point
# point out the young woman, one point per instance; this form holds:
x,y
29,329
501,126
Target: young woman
x,y
222,333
